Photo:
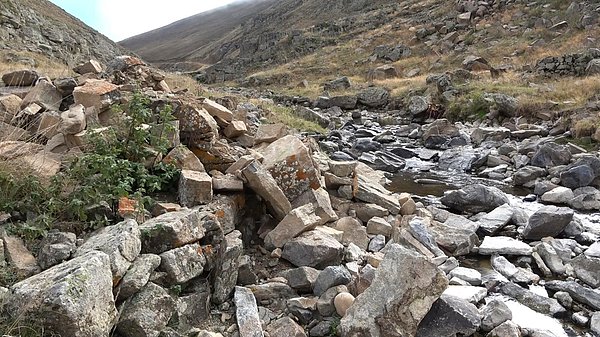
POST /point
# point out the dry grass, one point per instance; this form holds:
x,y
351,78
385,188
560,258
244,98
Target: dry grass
x,y
282,114
44,65
179,82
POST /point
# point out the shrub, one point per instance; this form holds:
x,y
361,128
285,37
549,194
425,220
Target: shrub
x,y
468,107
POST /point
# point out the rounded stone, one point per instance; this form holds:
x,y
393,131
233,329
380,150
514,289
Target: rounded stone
x,y
342,302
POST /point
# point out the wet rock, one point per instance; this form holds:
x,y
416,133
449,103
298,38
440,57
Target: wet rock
x,y
146,313
45,95
313,249
301,279
56,248
587,269
183,264
493,314
330,277
20,78
503,245
547,221
450,316
578,292
226,271
474,199
285,327
512,272
527,175
137,276
506,329
120,242
438,134
551,155
299,220
460,159
175,229
73,298
541,304
403,278
492,222
261,181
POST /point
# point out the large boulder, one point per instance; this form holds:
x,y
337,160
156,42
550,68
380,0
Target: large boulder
x,y
406,285
373,97
474,199
45,95
313,249
197,127
550,155
366,187
577,176
261,181
450,316
146,313
73,298
547,221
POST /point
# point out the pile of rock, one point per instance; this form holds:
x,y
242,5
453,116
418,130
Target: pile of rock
x,y
577,64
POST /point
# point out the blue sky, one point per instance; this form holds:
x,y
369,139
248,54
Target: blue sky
x,y
120,19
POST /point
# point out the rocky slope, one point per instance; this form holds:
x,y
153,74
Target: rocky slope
x,y
44,28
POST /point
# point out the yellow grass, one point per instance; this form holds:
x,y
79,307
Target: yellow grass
x,y
45,66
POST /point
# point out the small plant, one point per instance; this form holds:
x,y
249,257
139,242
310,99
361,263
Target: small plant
x,y
468,107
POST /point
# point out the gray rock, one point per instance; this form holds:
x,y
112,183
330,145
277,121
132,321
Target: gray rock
x,y
313,249
271,291
301,279
418,105
512,272
593,250
330,277
353,232
541,304
337,84
595,323
121,242
146,313
587,269
460,159
450,316
376,244
226,270
378,226
73,298
368,190
558,195
285,327
467,292
261,182
506,105
192,310
472,276
184,263
45,95
577,176
527,175
247,317
325,304
416,228
474,199
578,292
547,221
503,245
550,258
175,229
492,222
303,308
456,235
56,248
551,155
586,199
394,303
493,314
137,276
564,299
195,188
506,329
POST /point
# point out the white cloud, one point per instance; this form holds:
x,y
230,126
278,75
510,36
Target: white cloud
x,y
125,18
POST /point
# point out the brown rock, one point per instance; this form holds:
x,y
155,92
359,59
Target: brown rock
x,y
196,126
299,220
268,133
342,302
12,133
217,110
9,107
285,327
261,181
49,122
20,78
227,183
73,120
184,159
31,158
97,93
235,129
19,257
45,95
195,188
91,66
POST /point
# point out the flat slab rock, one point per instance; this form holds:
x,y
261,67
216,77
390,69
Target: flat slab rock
x,y
504,245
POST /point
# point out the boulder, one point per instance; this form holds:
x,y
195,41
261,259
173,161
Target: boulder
x,y
353,232
558,195
577,176
339,83
73,298
196,126
344,102
99,94
474,199
89,67
285,327
217,110
248,321
146,313
503,245
551,155
405,287
506,329
482,134
586,199
539,303
20,78
31,157
137,276
343,302
578,292
378,226
19,257
469,275
193,311
235,129
301,279
226,271
527,175
457,235
56,247
450,316
299,220
268,133
494,313
321,201
475,63
468,293
547,221
313,249
45,95
587,269
184,159
366,188
49,124
512,272
195,188
330,277
9,106
183,264
73,120
373,97
505,104
495,220
261,181
439,133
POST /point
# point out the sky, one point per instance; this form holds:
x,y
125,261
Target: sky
x,y
120,19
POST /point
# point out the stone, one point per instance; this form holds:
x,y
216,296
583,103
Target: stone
x,y
345,101
226,271
268,133
578,292
492,222
56,247
558,195
527,175
587,269
342,302
354,232
475,63
337,84
420,231
467,292
121,242
409,207
301,279
550,258
512,272
313,249
402,293
373,97
457,235
73,120
299,220
9,106
503,245
49,124
593,250
551,155
474,199
378,226
342,168
89,67
539,303
586,199
325,304
482,134
506,329
248,321
175,229
376,244
321,201
285,327
450,316
270,291
217,110
99,94
330,277
137,276
73,298
261,181
65,85
195,188
19,257
184,159
368,190
595,323
45,95
418,105
235,129
547,221
472,276
32,157
193,311
20,78
505,104
184,263
146,313
577,176
197,127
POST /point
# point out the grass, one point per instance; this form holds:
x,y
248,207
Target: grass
x,y
44,65
285,115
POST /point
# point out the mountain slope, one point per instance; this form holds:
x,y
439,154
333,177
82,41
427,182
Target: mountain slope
x,y
41,27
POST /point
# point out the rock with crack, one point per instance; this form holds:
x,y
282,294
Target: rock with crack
x,y
405,287
248,320
474,199
313,249
261,181
146,313
226,272
547,221
450,316
73,298
299,220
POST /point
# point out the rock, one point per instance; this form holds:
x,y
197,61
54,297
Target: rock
x,y
493,314
56,248
325,304
394,304
593,250
193,311
368,190
285,327
321,201
482,134
578,176
184,159
313,249
299,220
578,292
474,199
49,124
89,67
137,276
268,133
226,271
527,175
235,129
217,110
197,128
418,105
20,78
146,313
586,198
460,159
512,272
195,188
247,317
19,257
378,226
65,85
382,72
558,195
492,222
550,258
301,279
505,104
472,276
376,244
72,120
587,269
342,302
541,304
344,102
175,229
595,323
353,232
9,106
73,298
374,97
330,277
551,155
261,181
506,329
450,316
475,63
339,83
100,94
439,133
184,263
121,242
593,67
503,245
468,293
547,221
45,95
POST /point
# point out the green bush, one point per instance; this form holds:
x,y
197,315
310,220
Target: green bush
x,y
470,106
